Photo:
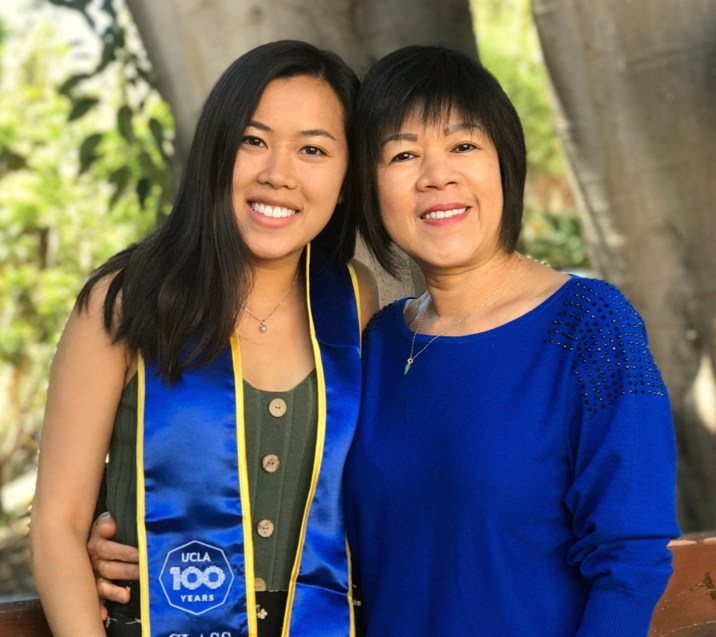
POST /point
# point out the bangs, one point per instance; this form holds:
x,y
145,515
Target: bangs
x,y
450,84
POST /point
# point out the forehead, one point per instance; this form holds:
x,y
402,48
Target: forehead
x,y
302,102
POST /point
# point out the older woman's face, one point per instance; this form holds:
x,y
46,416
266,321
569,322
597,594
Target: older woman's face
x,y
440,192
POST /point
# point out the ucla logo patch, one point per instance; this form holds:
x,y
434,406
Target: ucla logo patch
x,y
196,577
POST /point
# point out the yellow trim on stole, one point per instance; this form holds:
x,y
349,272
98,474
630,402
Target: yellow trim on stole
x,y
350,590
141,528
244,490
356,292
318,457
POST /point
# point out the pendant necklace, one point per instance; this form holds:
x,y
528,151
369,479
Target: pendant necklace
x,y
263,328
412,357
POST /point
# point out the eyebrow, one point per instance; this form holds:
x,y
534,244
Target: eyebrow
x,y
456,128
313,132
450,130
400,137
317,132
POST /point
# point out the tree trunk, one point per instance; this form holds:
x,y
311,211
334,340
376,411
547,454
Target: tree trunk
x,y
635,106
191,42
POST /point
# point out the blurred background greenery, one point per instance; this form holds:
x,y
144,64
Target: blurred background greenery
x,y
85,169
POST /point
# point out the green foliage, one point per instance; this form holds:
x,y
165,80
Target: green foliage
x,y
83,173
509,47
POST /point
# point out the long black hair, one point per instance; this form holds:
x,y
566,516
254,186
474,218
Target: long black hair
x,y
430,81
175,296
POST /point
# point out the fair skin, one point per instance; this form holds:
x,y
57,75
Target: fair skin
x,y
440,196
293,155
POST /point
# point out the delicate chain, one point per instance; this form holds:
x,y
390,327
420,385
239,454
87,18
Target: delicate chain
x,y
412,357
262,322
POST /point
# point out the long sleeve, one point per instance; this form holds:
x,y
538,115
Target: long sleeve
x,y
623,458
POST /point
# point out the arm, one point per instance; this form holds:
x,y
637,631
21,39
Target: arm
x,y
368,288
86,382
622,497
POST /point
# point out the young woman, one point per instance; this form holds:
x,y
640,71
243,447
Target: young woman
x,y
513,469
218,361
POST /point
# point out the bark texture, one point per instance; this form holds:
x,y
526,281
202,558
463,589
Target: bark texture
x,y
635,105
191,42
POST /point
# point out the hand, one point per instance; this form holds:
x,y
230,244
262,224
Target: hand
x,y
111,561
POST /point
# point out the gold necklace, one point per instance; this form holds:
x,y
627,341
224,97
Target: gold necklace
x,y
412,357
262,322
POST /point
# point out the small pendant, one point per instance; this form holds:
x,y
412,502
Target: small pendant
x,y
407,367
262,328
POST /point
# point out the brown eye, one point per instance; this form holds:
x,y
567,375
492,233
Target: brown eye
x,y
313,151
250,140
465,148
401,157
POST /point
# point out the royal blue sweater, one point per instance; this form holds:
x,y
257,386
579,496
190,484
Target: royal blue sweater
x,y
517,482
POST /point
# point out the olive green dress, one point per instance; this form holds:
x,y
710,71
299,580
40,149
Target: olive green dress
x,y
280,446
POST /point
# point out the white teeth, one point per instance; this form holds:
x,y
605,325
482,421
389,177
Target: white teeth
x,y
445,214
271,211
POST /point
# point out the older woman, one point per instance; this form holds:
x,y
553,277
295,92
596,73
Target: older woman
x,y
513,470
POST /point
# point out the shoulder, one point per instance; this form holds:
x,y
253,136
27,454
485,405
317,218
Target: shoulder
x,y
385,316
600,305
89,319
609,339
368,291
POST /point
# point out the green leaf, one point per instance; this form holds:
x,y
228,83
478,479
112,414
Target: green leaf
x,y
158,133
10,161
143,187
119,38
87,151
71,82
82,107
120,178
148,77
124,123
109,54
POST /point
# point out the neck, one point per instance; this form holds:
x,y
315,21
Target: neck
x,y
272,280
457,292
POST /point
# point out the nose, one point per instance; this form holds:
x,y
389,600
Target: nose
x,y
437,172
278,171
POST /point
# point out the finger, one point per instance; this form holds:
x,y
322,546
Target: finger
x,y
103,612
104,526
111,592
113,570
100,549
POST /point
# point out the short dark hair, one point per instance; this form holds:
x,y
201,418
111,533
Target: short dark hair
x,y
179,290
430,81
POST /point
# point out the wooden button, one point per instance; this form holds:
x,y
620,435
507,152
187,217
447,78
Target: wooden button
x,y
265,528
260,584
277,407
270,463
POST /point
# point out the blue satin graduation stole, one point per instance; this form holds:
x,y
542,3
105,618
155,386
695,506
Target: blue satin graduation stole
x,y
193,506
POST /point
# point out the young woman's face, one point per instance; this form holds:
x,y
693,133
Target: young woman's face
x,y
290,167
440,192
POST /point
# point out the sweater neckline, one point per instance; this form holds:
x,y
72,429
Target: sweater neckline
x,y
513,324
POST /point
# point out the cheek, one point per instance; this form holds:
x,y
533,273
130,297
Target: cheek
x,y
391,200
